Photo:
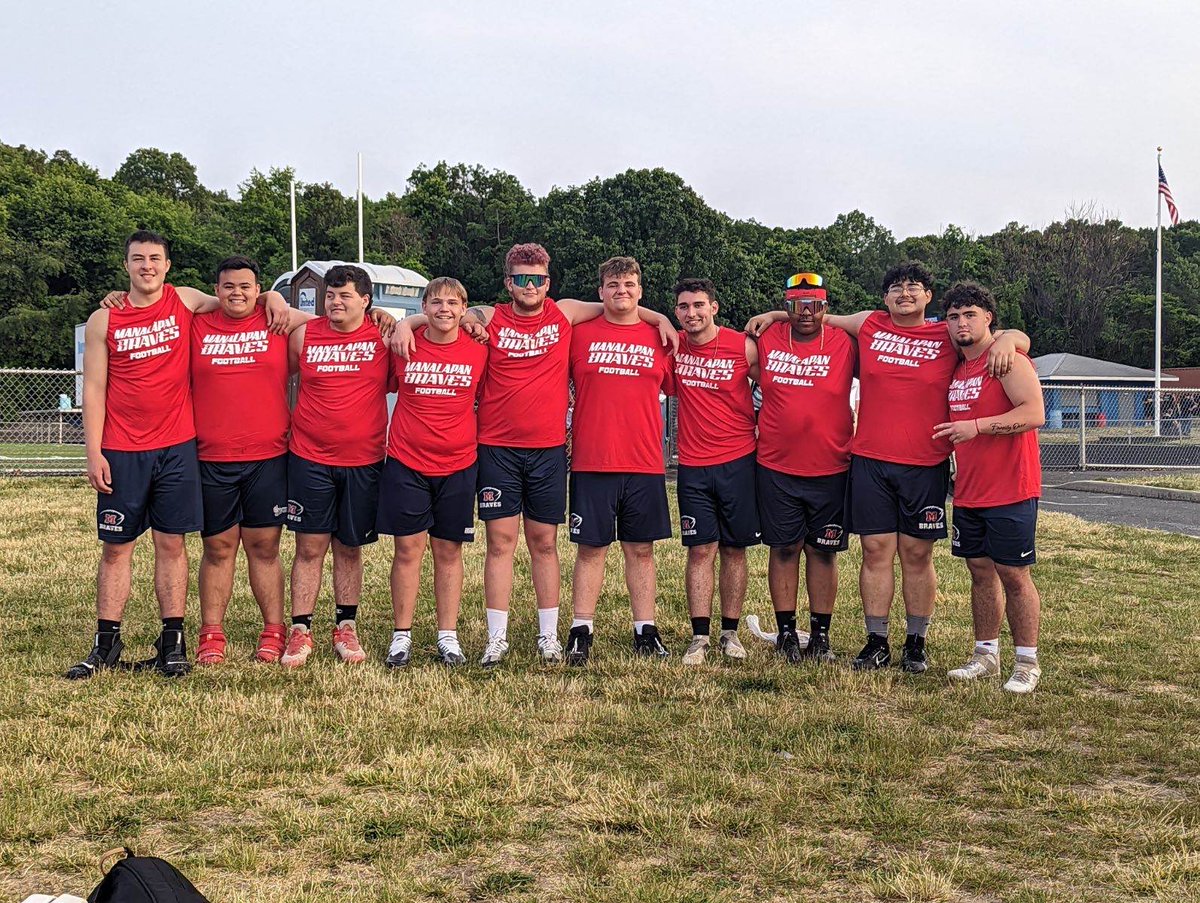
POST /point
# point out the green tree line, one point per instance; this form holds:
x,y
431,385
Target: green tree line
x,y
1083,285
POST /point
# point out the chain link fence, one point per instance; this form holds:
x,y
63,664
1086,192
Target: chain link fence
x,y
41,424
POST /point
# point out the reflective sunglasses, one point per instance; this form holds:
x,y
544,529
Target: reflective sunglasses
x,y
801,305
799,279
523,280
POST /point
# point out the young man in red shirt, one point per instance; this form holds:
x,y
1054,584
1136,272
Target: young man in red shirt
x,y
805,369
993,425
140,437
336,454
618,482
715,482
427,491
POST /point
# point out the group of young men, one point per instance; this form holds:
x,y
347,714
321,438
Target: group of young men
x,y
480,419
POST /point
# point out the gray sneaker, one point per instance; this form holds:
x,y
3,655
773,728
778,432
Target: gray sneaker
x,y
696,651
494,652
550,650
731,647
450,653
981,665
1025,676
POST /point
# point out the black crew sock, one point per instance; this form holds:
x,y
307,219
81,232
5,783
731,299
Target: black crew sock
x,y
172,624
729,623
107,633
701,626
304,621
786,621
819,623
344,613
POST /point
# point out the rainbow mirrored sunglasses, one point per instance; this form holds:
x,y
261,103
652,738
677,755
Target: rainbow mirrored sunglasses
x,y
521,280
810,304
799,280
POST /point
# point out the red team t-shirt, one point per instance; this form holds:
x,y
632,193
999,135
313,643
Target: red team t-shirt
x,y
523,402
148,403
618,372
805,423
433,426
716,412
904,372
341,414
992,470
239,379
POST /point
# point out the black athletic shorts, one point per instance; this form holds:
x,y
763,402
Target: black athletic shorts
x,y
1004,534
158,490
630,507
411,502
898,498
246,493
796,509
340,501
717,503
529,481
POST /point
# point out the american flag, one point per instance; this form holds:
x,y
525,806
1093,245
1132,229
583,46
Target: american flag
x,y
1165,190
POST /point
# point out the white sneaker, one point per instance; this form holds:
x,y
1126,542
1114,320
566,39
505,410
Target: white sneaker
x,y
731,647
494,652
450,652
550,650
400,651
981,665
696,651
1025,676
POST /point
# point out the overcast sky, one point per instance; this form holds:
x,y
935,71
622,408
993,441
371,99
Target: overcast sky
x,y
920,113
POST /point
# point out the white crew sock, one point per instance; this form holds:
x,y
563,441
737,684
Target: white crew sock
x,y
638,625
548,621
497,622
584,622
992,646
1027,651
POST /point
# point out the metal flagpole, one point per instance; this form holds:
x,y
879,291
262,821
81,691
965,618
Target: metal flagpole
x,y
360,202
295,260
1158,314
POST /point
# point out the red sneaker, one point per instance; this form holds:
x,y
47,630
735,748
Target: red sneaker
x,y
299,646
212,646
346,645
271,643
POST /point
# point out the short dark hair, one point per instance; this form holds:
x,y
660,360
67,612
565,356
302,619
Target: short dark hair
x,y
145,236
971,294
620,266
238,262
909,271
345,274
691,284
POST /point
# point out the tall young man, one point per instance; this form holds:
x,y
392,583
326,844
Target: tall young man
x,y
140,437
427,491
618,482
336,454
717,513
522,436
993,426
805,424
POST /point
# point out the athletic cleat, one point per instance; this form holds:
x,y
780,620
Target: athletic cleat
x,y
1026,674
211,650
550,650
696,651
271,643
170,658
345,644
299,647
731,647
913,659
579,646
787,644
97,660
818,649
495,651
875,655
980,666
400,652
648,644
451,654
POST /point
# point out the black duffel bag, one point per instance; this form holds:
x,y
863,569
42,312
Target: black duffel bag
x,y
144,879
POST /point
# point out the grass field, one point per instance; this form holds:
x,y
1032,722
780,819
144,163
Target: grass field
x,y
627,781
1179,481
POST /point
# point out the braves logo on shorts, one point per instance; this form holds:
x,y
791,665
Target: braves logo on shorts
x,y
576,523
294,510
931,517
687,525
111,520
489,497
830,535
955,540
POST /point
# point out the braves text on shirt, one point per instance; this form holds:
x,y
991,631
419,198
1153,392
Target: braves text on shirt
x,y
703,372
147,341
902,350
341,358
791,369
524,344
620,358
238,348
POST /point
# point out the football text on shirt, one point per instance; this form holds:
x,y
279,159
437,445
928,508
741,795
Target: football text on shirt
x,y
791,369
433,378
964,390
524,344
238,348
703,372
341,358
898,349
151,340
621,358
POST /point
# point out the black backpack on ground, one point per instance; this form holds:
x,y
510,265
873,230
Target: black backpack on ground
x,y
145,879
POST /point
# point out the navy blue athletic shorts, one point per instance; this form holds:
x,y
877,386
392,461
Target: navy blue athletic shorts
x,y
898,498
1004,533
246,493
796,509
529,481
411,502
158,490
717,503
630,507
341,501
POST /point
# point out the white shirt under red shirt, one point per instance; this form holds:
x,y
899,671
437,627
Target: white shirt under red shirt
x,y
716,410
433,427
619,371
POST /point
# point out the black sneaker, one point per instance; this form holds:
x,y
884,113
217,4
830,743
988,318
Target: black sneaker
x,y
579,646
875,655
787,644
913,659
648,644
818,649
97,660
170,659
